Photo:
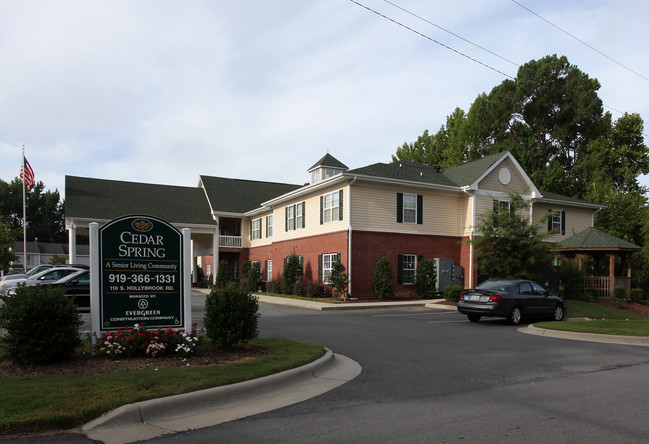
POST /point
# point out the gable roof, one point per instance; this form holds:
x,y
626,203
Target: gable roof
x,y
328,161
102,199
405,170
594,239
240,196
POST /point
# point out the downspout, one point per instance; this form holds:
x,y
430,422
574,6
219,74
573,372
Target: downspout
x,y
471,235
349,236
215,249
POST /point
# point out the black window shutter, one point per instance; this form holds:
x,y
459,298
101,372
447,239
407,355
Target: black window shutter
x,y
420,209
340,203
338,257
400,269
563,222
496,206
286,219
320,268
551,213
303,214
321,210
250,234
399,208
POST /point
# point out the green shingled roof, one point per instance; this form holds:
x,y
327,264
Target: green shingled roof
x,y
594,239
108,199
457,176
240,196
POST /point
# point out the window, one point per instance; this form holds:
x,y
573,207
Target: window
x,y
327,262
501,205
294,215
407,268
329,172
269,270
315,176
409,208
269,226
331,207
255,229
557,221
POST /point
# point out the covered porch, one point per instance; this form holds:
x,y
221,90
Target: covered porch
x,y
597,244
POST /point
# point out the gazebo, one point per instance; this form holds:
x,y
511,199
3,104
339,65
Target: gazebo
x,y
597,244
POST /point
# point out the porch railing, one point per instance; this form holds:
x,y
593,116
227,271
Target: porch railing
x,y
602,285
230,241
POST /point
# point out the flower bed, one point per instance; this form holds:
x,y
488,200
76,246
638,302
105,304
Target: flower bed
x,y
140,342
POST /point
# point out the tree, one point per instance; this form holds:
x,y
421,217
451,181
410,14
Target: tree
x,y
231,315
222,274
292,272
426,279
382,283
254,277
338,279
508,246
44,211
551,119
8,238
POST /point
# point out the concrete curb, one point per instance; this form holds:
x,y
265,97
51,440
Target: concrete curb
x,y
324,306
156,417
590,337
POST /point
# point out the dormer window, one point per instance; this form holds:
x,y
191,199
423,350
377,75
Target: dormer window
x,y
325,168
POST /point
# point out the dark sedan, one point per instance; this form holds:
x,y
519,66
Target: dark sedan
x,y
512,299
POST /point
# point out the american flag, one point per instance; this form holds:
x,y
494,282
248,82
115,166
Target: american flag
x,y
26,173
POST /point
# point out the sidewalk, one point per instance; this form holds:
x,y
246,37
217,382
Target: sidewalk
x,y
589,337
172,414
325,306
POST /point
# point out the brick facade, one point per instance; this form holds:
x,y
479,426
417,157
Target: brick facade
x,y
369,247
309,248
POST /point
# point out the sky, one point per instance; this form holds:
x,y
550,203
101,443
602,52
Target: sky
x,y
163,91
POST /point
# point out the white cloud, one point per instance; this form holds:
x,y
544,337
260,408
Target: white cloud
x,y
163,91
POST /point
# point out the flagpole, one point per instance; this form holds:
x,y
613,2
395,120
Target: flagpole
x,y
24,217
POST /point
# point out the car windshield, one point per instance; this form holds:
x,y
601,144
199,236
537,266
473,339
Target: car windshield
x,y
495,285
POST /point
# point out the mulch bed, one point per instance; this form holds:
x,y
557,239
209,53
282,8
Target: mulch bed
x,y
84,362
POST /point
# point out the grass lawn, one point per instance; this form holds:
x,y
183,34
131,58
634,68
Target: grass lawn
x,y
58,402
604,320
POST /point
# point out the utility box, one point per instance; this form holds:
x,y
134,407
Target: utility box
x,y
458,275
444,269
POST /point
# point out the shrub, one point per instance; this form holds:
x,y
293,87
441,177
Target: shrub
x,y
245,269
382,281
275,286
426,279
590,295
222,275
338,279
254,278
315,290
619,295
452,293
231,316
42,325
572,278
292,272
637,294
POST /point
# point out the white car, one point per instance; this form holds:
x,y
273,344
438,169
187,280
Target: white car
x,y
49,275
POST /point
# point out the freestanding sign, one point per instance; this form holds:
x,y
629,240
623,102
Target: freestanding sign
x,y
141,274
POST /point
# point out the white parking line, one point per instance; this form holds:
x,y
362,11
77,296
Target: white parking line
x,y
445,322
432,313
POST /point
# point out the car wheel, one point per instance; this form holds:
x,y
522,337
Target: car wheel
x,y
515,316
557,314
473,317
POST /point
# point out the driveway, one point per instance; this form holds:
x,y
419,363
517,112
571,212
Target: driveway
x,y
432,376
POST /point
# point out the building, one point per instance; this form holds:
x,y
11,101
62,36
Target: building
x,y
402,210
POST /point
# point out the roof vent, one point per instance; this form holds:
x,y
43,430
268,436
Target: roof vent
x,y
437,168
400,165
421,173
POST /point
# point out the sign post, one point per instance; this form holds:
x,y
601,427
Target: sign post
x,y
139,275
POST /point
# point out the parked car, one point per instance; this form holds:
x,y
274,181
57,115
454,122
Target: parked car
x,y
50,275
33,271
512,299
76,285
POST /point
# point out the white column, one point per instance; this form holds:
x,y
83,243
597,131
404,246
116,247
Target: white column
x,y
94,281
187,285
215,250
72,244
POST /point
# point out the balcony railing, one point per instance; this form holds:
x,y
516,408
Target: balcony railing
x,y
230,241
